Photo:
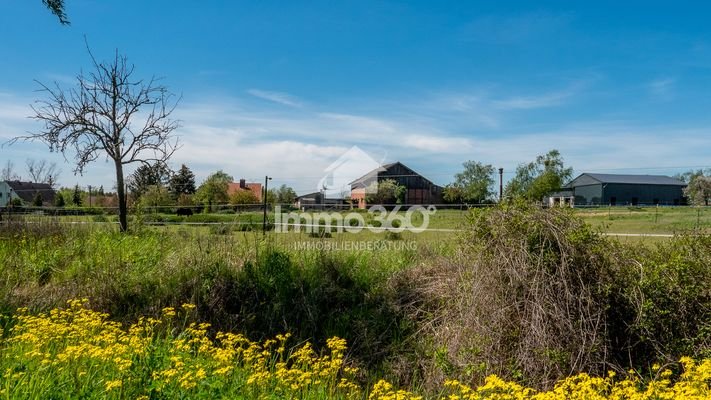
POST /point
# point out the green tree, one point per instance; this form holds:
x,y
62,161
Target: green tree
x,y
185,200
76,196
37,200
182,182
453,194
475,183
272,195
156,198
387,191
59,200
698,189
539,178
285,195
147,176
214,189
242,197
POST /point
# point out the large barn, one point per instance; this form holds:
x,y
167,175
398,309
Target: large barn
x,y
419,190
614,189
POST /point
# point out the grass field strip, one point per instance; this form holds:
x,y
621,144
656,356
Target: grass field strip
x,y
664,235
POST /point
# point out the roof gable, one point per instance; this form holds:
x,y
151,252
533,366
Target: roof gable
x,y
28,190
370,176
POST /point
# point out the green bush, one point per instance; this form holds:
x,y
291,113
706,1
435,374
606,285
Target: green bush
x,y
661,307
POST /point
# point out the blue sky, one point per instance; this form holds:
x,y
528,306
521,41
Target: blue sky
x,y
284,88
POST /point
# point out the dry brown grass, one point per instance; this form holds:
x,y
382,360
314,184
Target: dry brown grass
x,y
525,298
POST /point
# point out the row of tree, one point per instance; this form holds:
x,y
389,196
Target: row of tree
x,y
532,181
543,176
154,185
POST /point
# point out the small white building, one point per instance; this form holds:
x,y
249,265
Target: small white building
x,y
6,194
563,198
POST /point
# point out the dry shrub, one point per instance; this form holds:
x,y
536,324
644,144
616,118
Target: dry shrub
x,y
525,299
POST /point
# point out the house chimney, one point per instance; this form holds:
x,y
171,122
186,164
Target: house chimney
x,y
242,184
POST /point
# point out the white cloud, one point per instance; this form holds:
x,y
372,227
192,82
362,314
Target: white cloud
x,y
434,136
448,145
277,97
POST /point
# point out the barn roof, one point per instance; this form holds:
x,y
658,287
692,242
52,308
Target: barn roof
x,y
384,168
630,179
28,190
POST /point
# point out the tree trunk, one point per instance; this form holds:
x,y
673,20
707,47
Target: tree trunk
x,y
121,192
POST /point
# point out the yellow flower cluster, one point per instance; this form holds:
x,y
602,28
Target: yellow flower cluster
x,y
77,352
693,383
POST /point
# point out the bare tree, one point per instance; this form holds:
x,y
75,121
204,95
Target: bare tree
x,y
43,171
108,113
8,172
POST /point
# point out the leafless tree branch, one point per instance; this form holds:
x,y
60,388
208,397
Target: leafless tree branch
x,y
108,113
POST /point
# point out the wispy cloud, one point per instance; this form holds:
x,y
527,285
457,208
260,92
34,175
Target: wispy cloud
x,y
533,102
544,100
506,30
14,119
276,97
59,78
662,88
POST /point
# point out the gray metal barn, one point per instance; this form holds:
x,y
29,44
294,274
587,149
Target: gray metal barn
x,y
613,189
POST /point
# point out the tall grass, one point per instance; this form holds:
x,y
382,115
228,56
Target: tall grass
x,y
530,295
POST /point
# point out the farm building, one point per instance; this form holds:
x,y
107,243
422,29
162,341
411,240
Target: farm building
x,y
419,190
26,192
318,200
613,189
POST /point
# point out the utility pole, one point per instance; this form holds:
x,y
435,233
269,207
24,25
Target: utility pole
x,y
501,185
264,199
89,196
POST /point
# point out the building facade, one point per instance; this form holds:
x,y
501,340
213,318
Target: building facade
x,y
614,189
26,192
418,189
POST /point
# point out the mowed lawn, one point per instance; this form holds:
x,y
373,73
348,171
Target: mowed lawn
x,y
648,220
442,227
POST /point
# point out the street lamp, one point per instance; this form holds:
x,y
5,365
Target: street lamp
x,y
264,199
501,185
